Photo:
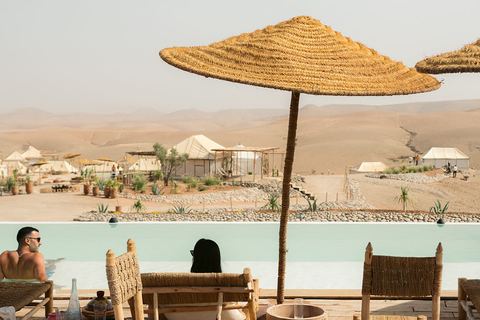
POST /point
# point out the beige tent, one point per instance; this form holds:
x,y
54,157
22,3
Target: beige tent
x,y
146,164
32,155
16,165
60,166
15,156
201,158
372,167
439,157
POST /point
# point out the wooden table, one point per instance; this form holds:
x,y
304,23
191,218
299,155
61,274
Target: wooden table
x,y
468,289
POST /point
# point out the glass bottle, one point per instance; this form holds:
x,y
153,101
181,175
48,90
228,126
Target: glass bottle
x,y
73,310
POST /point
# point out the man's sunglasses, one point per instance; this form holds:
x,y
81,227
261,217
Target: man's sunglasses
x,y
38,239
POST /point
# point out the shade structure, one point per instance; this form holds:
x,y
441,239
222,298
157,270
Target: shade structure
x,y
300,55
105,159
466,59
71,155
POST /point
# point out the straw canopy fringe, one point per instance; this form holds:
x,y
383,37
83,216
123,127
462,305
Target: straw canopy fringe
x,y
301,55
467,59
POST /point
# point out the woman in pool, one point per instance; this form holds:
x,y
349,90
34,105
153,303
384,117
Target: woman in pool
x,y
206,259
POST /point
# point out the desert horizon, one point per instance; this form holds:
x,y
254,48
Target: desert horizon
x,y
329,137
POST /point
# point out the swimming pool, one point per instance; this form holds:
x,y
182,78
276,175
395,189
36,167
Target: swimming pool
x,y
320,255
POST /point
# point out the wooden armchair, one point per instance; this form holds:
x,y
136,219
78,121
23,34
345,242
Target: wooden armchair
x,y
195,292
123,275
401,277
21,294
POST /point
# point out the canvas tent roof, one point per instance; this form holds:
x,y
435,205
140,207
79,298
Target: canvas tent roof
x,y
146,164
17,165
32,153
15,156
198,147
372,167
58,166
444,153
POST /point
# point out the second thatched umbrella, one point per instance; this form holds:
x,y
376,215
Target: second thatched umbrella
x,y
300,55
466,59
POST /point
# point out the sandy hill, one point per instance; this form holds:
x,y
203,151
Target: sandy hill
x,y
329,137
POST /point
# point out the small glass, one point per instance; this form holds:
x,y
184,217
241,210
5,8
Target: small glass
x,y
298,308
100,310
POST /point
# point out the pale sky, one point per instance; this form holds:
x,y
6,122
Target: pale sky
x,y
102,56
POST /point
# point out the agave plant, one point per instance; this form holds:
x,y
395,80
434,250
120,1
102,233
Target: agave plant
x,y
312,206
102,208
181,209
437,209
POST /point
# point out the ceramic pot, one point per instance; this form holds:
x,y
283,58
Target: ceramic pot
x,y
106,192
95,191
14,190
29,187
113,193
86,189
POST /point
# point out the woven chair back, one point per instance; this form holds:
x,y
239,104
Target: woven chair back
x,y
194,280
124,278
402,277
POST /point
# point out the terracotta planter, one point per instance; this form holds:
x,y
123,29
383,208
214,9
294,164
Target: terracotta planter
x,y
95,191
286,311
118,208
113,193
106,192
29,187
14,190
86,189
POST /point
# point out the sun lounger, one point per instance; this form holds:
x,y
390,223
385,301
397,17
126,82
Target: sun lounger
x,y
21,294
401,277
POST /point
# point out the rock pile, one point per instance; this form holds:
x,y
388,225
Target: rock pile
x,y
409,177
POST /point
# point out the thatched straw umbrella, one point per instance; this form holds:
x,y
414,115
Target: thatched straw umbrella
x,y
302,56
467,59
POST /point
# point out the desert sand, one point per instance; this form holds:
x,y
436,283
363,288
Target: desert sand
x,y
330,138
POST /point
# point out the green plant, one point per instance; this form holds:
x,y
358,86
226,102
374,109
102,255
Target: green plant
x,y
427,167
158,175
156,189
27,178
413,170
102,208
181,209
314,171
312,206
139,182
211,181
120,187
405,198
403,169
389,171
202,188
395,171
101,184
15,177
113,183
273,203
437,209
138,207
174,187
9,184
85,174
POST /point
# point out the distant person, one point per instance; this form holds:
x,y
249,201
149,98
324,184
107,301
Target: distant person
x,y
206,259
455,169
416,160
25,263
114,171
410,160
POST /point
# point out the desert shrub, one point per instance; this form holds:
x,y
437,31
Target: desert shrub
x,y
202,188
427,167
211,181
186,179
102,208
181,209
273,203
403,169
156,189
139,182
413,170
420,169
395,171
138,207
101,185
389,171
121,186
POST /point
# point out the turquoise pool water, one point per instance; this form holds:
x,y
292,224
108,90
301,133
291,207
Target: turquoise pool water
x,y
320,255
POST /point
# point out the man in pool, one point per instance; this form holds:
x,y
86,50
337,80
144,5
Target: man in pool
x,y
25,263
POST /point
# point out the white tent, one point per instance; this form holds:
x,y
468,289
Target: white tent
x,y
243,162
201,158
15,156
372,167
32,155
56,166
3,171
439,156
16,165
146,164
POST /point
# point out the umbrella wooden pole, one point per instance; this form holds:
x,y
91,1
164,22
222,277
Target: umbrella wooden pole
x,y
287,176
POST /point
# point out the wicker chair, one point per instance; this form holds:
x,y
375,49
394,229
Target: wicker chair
x,y
124,283
20,294
194,292
401,277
